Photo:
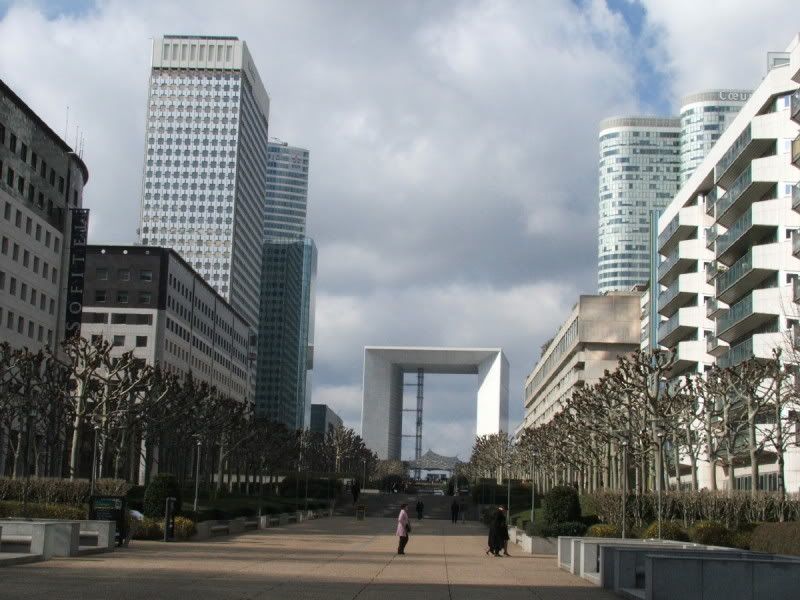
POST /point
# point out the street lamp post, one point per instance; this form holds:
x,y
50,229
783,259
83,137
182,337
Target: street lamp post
x,y
94,457
659,468
197,474
533,486
624,445
364,461
31,416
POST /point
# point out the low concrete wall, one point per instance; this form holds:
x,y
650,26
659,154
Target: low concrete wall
x,y
712,578
533,544
104,533
46,538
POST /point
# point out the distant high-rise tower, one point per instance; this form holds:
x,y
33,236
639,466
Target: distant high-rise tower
x,y
286,332
205,170
704,116
639,172
287,192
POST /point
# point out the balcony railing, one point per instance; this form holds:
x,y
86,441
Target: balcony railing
x,y
796,151
794,108
796,196
669,230
668,326
796,291
712,343
714,270
713,305
733,152
734,232
711,200
742,182
669,294
665,266
736,313
796,243
711,234
737,354
735,273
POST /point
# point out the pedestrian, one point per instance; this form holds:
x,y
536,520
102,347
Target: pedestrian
x,y
403,529
420,509
356,490
498,533
463,511
454,509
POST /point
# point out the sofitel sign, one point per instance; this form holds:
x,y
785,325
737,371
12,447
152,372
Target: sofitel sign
x,y
76,271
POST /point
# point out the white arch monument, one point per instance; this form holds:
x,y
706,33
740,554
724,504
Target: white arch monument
x,y
382,402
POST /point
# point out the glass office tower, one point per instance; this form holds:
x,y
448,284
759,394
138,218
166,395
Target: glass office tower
x,y
287,191
286,332
639,172
205,164
704,116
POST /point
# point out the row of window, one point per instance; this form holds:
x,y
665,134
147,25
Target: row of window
x,y
27,293
117,318
102,274
38,232
122,296
27,327
118,341
35,163
28,260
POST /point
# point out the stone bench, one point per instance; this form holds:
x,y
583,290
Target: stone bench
x,y
713,577
98,534
45,538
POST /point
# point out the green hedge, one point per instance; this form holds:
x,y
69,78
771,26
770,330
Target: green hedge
x,y
153,529
571,528
161,487
561,505
670,530
710,533
318,487
603,530
777,538
49,490
42,511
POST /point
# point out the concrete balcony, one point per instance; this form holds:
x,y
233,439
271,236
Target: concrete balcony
x,y
752,143
760,345
714,270
683,323
682,259
796,244
754,224
716,346
747,272
749,313
685,288
687,354
683,226
751,185
715,308
796,197
711,234
796,151
711,201
794,108
796,290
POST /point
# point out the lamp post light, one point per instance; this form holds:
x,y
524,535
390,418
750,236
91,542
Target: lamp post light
x,y
94,457
624,445
533,485
197,474
659,478
31,417
364,462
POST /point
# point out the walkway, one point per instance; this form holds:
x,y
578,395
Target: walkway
x,y
335,558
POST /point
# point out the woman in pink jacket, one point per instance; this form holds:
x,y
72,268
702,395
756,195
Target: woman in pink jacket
x,y
403,529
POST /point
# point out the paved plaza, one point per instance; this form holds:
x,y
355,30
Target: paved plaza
x,y
334,558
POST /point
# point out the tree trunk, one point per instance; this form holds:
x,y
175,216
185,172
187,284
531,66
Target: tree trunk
x,y
753,447
74,455
3,449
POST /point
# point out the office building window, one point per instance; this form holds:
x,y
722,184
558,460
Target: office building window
x,y
141,341
99,295
119,340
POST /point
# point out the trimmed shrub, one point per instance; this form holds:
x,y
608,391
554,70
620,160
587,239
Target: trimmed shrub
x,y
571,528
184,528
777,538
561,505
741,537
148,529
161,487
42,511
670,530
51,490
710,533
603,530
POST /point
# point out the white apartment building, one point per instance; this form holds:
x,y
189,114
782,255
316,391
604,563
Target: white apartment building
x,y
41,181
726,238
597,332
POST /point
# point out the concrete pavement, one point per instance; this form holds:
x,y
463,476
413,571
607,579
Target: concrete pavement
x,y
336,558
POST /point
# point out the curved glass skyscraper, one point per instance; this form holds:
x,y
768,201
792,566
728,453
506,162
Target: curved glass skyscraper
x,y
704,116
639,171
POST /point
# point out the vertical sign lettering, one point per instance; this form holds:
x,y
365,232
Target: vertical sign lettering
x,y
76,271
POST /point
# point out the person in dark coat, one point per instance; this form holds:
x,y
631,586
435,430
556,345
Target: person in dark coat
x,y
420,509
454,508
356,490
498,533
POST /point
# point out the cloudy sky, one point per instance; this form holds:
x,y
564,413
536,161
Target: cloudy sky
x,y
453,146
